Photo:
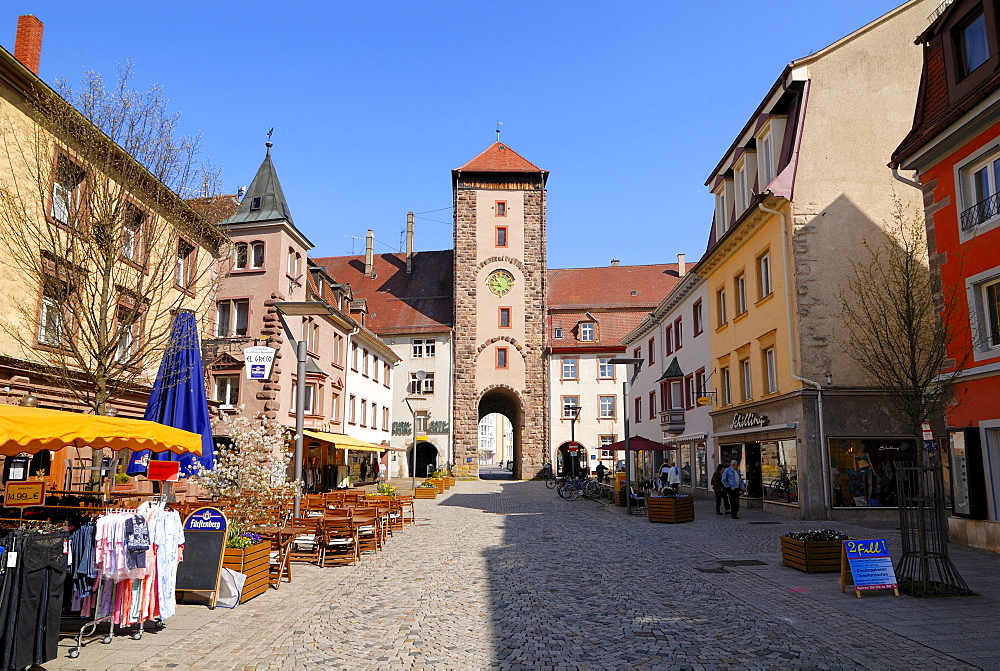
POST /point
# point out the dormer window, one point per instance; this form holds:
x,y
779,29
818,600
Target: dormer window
x,y
973,47
587,332
557,333
768,148
255,203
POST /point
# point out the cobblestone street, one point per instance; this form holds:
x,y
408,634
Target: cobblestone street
x,y
506,574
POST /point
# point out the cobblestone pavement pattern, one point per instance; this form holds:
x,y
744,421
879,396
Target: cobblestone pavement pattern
x,y
505,574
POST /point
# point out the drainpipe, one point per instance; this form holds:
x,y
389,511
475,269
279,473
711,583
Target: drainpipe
x,y
823,448
906,180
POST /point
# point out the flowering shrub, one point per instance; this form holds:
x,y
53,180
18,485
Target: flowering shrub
x,y
385,489
241,540
252,471
818,535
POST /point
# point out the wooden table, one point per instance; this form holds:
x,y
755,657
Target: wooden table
x,y
284,537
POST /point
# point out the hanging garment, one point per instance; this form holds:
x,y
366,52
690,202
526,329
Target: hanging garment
x,y
136,542
168,537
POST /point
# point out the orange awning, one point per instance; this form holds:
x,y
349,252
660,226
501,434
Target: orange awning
x,y
32,430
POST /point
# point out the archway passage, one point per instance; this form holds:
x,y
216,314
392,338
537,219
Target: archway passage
x,y
427,455
505,402
573,464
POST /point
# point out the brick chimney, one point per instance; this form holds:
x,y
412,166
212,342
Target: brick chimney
x,y
369,251
409,242
28,43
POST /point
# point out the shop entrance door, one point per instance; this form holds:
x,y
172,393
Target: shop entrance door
x,y
752,471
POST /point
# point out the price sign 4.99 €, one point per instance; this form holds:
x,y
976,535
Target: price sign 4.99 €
x,y
24,494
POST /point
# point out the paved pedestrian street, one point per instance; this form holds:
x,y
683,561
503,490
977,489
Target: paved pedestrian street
x,y
506,574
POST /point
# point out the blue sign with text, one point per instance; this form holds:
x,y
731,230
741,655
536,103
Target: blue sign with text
x,y
871,565
206,519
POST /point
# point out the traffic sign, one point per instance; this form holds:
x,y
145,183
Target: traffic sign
x,y
925,428
24,494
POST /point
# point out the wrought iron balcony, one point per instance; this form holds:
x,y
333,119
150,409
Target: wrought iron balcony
x,y
981,212
672,421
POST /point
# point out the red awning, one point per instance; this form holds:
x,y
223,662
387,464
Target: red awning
x,y
638,443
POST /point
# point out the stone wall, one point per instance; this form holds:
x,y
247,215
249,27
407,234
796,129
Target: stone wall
x,y
531,428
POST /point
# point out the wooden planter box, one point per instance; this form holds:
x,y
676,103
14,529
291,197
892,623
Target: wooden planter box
x,y
812,556
425,493
438,484
672,510
253,561
450,480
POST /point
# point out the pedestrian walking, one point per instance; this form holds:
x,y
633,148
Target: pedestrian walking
x,y
601,472
721,497
674,479
734,483
664,475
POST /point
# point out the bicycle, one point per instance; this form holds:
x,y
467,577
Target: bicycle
x,y
572,488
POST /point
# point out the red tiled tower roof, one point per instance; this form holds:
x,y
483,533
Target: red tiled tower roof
x,y
498,157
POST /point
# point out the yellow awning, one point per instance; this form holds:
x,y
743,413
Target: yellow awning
x,y
35,429
347,442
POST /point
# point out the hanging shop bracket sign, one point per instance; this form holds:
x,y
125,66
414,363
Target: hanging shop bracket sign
x,y
257,362
24,494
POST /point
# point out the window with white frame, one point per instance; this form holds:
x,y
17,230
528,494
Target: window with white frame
x,y
256,255
764,275
690,392
557,333
571,405
569,369
697,315
745,382
241,256
587,332
375,367
678,333
374,415
608,439
309,407
766,162
676,395
720,306
721,211
607,407
740,182
425,386
364,413
740,285
132,234
986,311
423,348
699,383
185,269
354,357
770,371
973,43
364,362
385,418
52,320
727,389
980,190
227,390
66,191
422,419
605,369
128,331
352,403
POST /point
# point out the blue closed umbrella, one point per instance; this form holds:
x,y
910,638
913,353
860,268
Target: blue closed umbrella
x,y
178,398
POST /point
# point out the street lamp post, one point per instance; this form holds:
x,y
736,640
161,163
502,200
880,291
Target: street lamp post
x,y
304,309
637,363
575,410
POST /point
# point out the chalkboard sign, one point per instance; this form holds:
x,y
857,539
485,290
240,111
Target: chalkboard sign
x,y
205,532
869,565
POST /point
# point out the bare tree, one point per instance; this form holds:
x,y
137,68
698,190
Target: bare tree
x,y
102,248
901,332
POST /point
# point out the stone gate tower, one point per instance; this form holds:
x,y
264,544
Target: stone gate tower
x,y
500,306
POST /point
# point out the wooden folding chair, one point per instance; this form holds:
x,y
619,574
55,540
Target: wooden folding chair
x,y
307,546
340,543
406,502
396,521
279,565
366,523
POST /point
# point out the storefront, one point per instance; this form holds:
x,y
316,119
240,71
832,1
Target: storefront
x,y
691,457
767,453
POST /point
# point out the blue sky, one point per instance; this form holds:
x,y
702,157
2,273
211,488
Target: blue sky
x,y
628,104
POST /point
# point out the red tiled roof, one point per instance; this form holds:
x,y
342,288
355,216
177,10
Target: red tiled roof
x,y
216,208
611,328
611,286
498,157
422,302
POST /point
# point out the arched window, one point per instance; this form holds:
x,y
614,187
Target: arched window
x,y
242,252
257,254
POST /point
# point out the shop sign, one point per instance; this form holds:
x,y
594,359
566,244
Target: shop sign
x,y
746,420
164,471
257,362
438,426
400,428
24,494
206,519
871,565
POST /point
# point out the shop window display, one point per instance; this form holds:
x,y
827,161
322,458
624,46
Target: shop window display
x,y
863,473
684,454
701,465
779,471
